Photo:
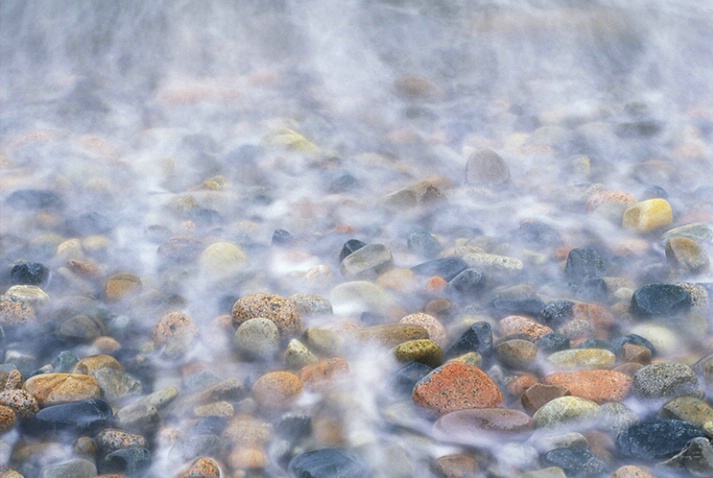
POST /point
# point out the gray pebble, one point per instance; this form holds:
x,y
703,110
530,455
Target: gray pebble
x,y
78,468
367,262
257,339
666,380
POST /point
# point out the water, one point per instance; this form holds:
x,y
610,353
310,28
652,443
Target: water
x,y
165,118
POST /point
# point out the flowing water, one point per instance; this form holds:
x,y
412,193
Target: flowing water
x,y
230,120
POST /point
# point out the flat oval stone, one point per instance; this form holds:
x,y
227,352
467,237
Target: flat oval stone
x,y
478,338
656,439
77,468
203,467
582,359
422,350
120,286
112,439
647,216
686,255
81,418
517,353
666,380
433,326
690,409
367,262
483,425
660,299
566,411
575,461
221,259
276,390
389,335
283,312
539,394
15,312
517,324
328,463
597,385
257,339
456,386
57,388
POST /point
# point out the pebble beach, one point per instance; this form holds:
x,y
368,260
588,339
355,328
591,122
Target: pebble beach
x,y
359,240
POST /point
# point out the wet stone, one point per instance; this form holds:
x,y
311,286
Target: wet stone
x,y
175,333
556,313
583,264
666,380
276,390
257,339
367,262
129,461
203,467
77,468
686,255
518,305
14,312
447,268
478,338
575,461
57,388
486,168
481,426
81,418
280,310
656,439
696,458
121,286
21,402
467,285
566,410
689,409
455,466
29,273
424,350
597,385
328,463
661,300
351,246
436,330
647,216
553,342
7,419
423,244
81,328
539,394
582,359
516,353
112,439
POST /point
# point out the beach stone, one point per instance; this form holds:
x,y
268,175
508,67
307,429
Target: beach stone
x,y
575,461
423,244
492,264
656,438
516,353
297,355
15,312
553,342
132,461
176,334
221,260
257,339
531,306
648,215
82,328
617,416
482,425
577,329
367,262
35,199
631,471
698,232
276,390
249,457
112,439
29,273
686,255
362,296
666,380
216,409
456,466
77,468
30,294
352,245
324,372
690,409
23,403
436,330
120,286
283,312
323,341
57,388
517,324
557,313
486,168
117,384
423,350
538,394
447,268
311,305
597,385
582,359
247,430
661,300
180,249
389,335
407,376
583,264
567,410
203,467
478,338
549,472
93,363
468,284
696,458
636,354
7,419
456,386
328,463
85,417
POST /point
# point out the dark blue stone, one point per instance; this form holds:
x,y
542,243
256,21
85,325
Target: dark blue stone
x,y
467,284
556,313
660,299
88,224
204,216
210,426
80,418
448,267
553,342
634,339
281,237
582,264
350,246
656,438
478,338
575,461
294,427
328,463
342,183
523,305
34,199
29,273
406,377
64,362
133,461
423,244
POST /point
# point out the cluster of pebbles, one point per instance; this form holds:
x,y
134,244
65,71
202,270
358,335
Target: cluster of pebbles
x,y
214,291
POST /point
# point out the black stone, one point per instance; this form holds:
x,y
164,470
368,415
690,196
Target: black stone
x,y
88,224
660,299
423,244
328,463
553,342
467,284
582,264
210,426
133,461
448,267
406,377
85,417
29,273
350,246
281,237
556,313
634,339
575,461
36,199
478,338
656,438
294,427
523,305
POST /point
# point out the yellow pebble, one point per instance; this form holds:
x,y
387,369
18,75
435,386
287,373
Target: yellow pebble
x,y
646,216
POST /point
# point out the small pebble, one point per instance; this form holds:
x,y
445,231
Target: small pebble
x,y
436,330
283,312
690,409
7,419
597,385
666,380
517,353
175,333
656,438
483,425
455,466
323,463
661,300
21,402
647,216
121,286
112,439
257,339
29,273
76,468
582,359
487,169
575,461
84,417
203,467
423,350
568,410
276,391
297,355
367,262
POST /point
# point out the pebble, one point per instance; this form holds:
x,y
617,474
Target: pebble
x,y
121,286
690,409
597,385
389,335
456,466
82,328
133,461
631,471
203,467
30,294
447,268
7,419
687,256
311,305
323,372
575,461
436,330
583,264
517,353
478,338
297,355
76,468
467,285
517,324
486,168
35,199
329,463
535,396
483,425
84,417
15,312
696,458
647,216
176,334
698,232
423,350
93,363
661,300
352,245
283,312
582,359
492,264
656,438
276,391
423,244
57,388
549,472
29,273
221,260
21,402
257,339
367,262
456,386
666,380
568,410
112,439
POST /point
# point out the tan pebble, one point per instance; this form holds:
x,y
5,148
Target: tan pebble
x,y
440,308
516,324
169,436
217,409
436,330
13,380
85,446
57,388
599,386
30,294
15,312
635,353
203,467
106,344
323,341
297,355
121,286
96,243
517,387
248,458
70,249
324,372
7,419
390,335
176,332
398,280
85,269
423,350
647,216
539,394
631,471
89,365
686,255
23,403
247,430
221,259
276,390
283,312
456,466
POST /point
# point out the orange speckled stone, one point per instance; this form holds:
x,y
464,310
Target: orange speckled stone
x,y
433,326
203,467
517,324
276,390
610,198
435,285
600,386
456,386
518,386
15,312
325,371
120,286
283,312
56,388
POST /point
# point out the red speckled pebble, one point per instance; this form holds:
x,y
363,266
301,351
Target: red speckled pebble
x,y
597,385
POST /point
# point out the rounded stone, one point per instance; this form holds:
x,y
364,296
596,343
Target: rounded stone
x,y
203,467
297,355
686,255
482,425
583,264
58,388
660,300
257,339
77,468
389,335
7,419
597,385
666,380
134,461
582,359
86,417
456,386
250,457
82,328
436,330
468,284
486,168
647,216
328,463
423,244
424,351
456,466
690,409
112,439
276,390
120,286
221,259
575,461
283,312
517,324
30,294
367,262
631,471
566,411
176,333
656,438
311,305
324,372
539,394
29,273
15,312
516,353
617,416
